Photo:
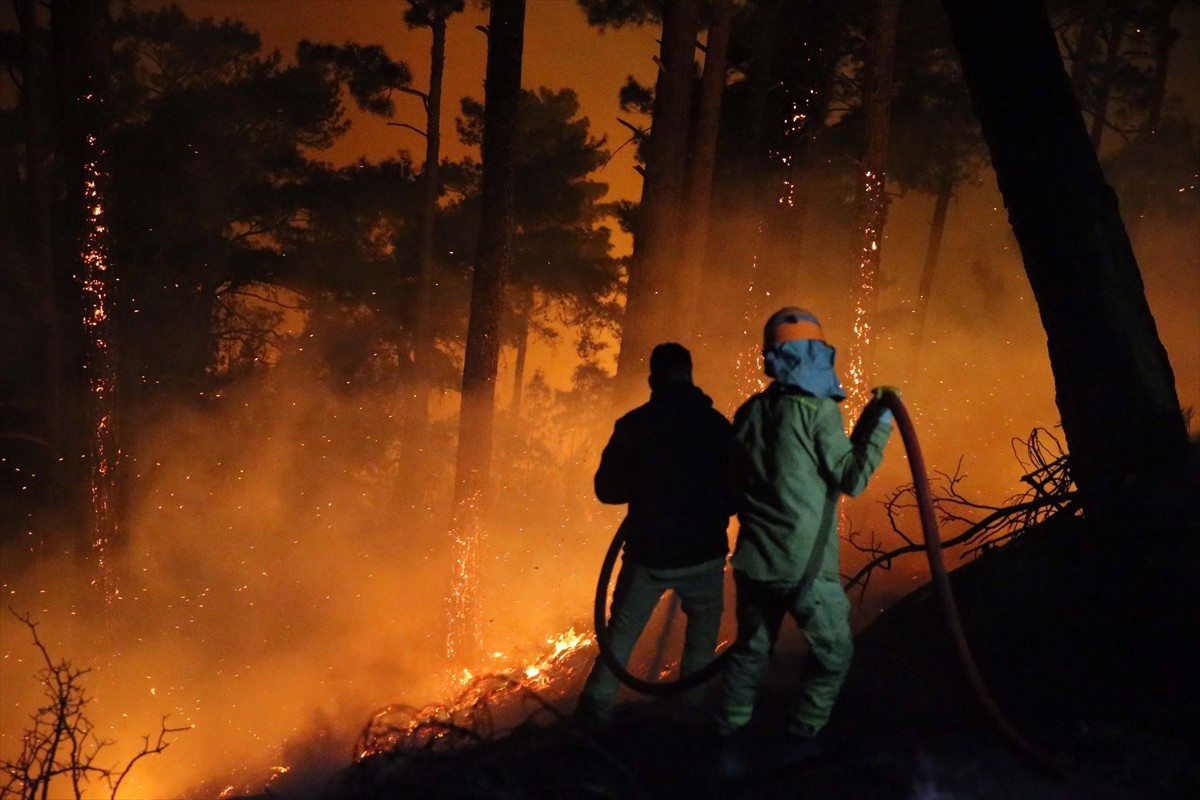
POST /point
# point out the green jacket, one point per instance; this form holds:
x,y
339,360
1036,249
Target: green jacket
x,y
792,460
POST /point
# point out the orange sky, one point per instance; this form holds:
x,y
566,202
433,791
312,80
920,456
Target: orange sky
x,y
560,51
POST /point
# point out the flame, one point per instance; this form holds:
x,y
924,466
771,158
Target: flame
x,y
478,702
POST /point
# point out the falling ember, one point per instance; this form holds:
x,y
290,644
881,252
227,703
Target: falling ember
x,y
749,367
465,635
871,217
94,284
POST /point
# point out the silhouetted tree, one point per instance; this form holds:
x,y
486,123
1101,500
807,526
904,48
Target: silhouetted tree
x,y
58,59
878,82
649,296
935,142
694,241
1114,384
432,14
560,252
493,257
210,160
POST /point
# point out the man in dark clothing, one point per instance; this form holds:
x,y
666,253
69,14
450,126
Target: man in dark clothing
x,y
668,459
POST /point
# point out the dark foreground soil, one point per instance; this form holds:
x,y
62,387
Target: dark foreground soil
x,y
1083,634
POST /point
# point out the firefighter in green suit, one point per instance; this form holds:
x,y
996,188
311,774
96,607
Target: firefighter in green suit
x,y
792,461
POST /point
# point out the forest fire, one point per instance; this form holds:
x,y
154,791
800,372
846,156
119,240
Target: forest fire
x,y
268,550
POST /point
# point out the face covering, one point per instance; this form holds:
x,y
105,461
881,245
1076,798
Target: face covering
x,y
804,364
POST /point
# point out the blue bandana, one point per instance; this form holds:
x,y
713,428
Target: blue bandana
x,y
804,364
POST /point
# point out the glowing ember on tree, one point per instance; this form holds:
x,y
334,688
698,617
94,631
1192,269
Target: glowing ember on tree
x,y
465,636
749,362
94,283
864,302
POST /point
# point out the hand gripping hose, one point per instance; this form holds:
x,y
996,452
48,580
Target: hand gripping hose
x,y
941,582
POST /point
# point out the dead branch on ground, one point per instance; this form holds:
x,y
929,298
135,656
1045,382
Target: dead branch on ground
x,y
1051,491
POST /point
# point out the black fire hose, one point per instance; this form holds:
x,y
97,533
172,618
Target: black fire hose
x,y
600,617
941,582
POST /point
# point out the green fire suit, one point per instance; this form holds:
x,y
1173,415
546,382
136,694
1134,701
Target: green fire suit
x,y
792,461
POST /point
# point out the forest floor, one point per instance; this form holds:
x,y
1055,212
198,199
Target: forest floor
x,y
1084,636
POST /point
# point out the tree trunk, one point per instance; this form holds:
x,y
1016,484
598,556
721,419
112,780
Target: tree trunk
x,y
1114,385
872,198
502,92
1165,37
42,271
523,311
424,345
1085,46
1108,76
933,251
649,299
694,244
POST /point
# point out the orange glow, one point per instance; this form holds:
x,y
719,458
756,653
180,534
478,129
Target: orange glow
x,y
274,606
465,636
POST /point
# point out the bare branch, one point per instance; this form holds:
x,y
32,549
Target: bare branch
x,y
1051,491
415,130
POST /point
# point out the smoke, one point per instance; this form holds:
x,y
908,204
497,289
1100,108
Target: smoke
x,y
282,573
281,576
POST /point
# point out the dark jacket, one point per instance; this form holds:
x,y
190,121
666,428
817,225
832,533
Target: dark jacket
x,y
668,459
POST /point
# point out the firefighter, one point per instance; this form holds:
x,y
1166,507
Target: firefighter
x,y
668,460
792,461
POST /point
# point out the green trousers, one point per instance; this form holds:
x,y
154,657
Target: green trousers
x,y
823,614
701,596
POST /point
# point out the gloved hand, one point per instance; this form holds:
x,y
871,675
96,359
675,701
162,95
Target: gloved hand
x,y
877,410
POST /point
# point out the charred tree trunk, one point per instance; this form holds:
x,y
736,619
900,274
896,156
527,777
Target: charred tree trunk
x,y
502,93
872,198
83,36
41,274
524,311
502,96
694,245
1114,384
648,300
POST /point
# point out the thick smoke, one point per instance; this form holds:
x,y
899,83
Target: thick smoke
x,y
277,583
